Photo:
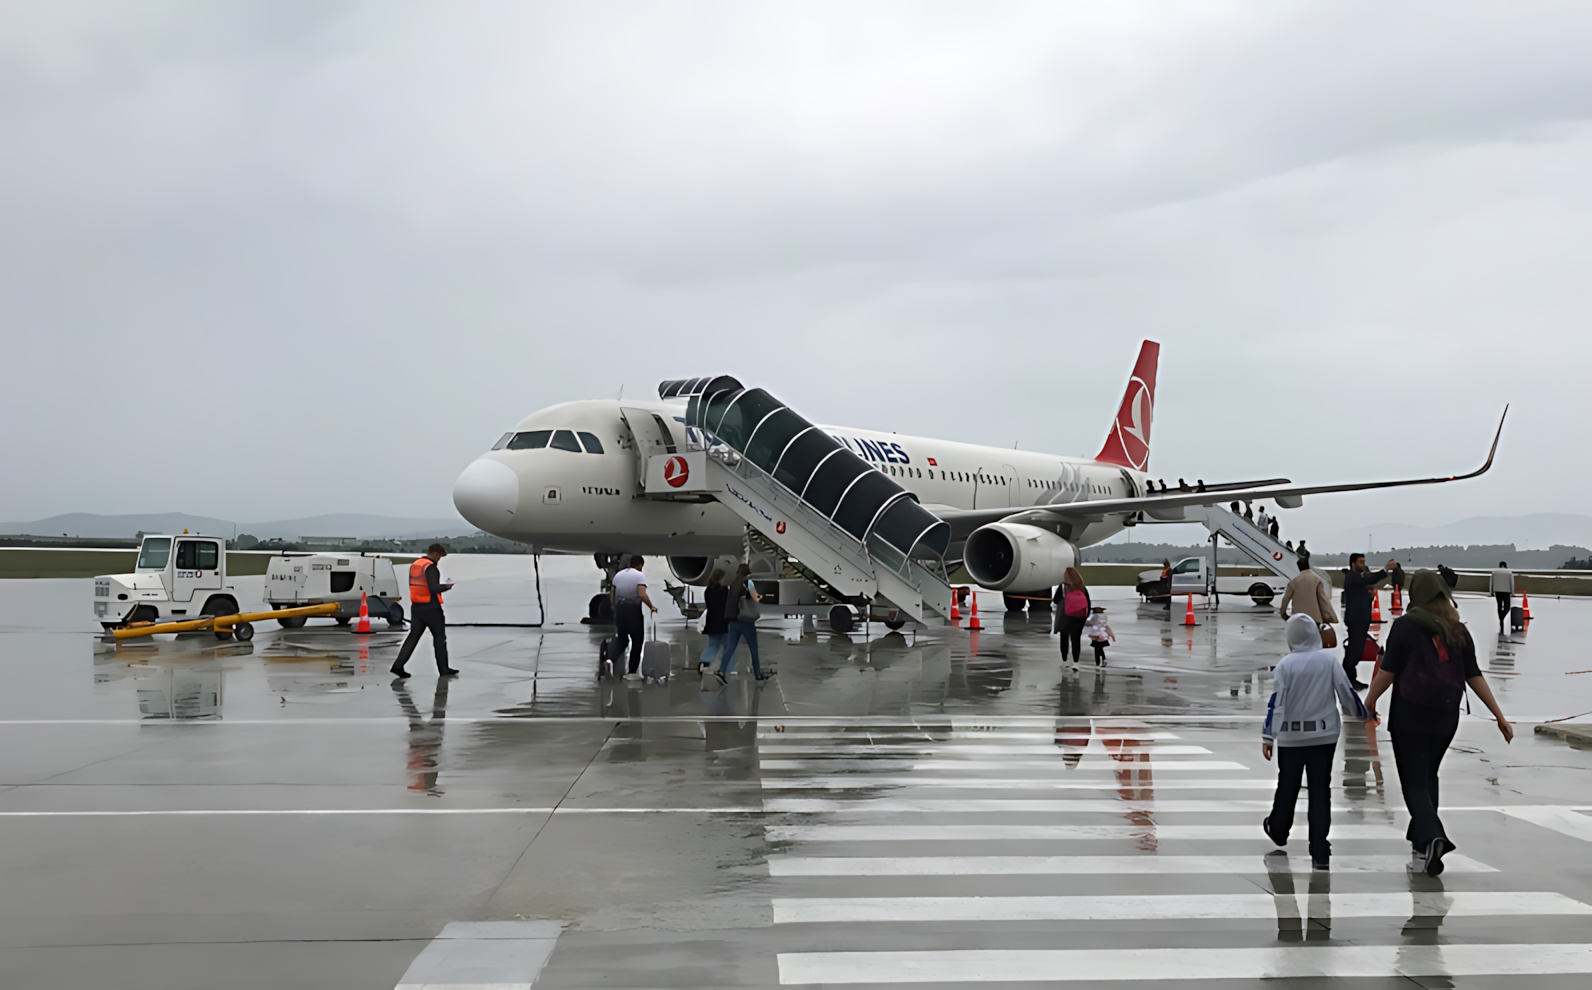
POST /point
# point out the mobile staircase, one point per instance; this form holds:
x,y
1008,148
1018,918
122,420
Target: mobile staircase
x,y
861,536
1251,539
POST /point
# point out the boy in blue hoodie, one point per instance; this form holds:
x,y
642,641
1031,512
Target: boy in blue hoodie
x,y
1302,723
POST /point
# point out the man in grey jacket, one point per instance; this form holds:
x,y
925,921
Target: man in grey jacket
x,y
1302,723
1502,587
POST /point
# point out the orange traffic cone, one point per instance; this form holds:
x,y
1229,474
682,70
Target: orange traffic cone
x,y
1376,608
972,622
956,613
1397,604
1188,615
364,615
1525,606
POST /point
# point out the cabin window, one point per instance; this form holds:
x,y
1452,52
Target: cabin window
x,y
503,440
197,555
593,445
342,581
155,552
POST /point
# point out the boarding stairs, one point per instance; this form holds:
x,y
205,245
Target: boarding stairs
x,y
1246,536
859,534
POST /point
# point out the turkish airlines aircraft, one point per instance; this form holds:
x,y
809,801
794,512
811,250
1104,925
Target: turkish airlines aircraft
x,y
567,478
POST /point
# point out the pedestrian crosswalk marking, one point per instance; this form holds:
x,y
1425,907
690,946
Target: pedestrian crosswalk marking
x,y
861,735
1163,907
1229,963
1561,820
1021,805
906,866
1019,833
971,749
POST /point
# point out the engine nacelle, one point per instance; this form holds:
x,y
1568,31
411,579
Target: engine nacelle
x,y
1017,558
695,571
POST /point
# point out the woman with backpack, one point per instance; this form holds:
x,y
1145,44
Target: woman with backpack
x,y
714,622
1072,610
741,613
1428,660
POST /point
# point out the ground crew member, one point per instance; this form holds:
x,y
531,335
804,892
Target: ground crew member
x,y
1502,586
425,611
630,593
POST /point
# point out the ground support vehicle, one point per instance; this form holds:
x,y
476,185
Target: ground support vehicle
x,y
239,624
1191,576
176,578
295,579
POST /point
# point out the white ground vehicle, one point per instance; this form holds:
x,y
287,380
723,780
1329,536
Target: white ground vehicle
x,y
294,579
175,577
1191,575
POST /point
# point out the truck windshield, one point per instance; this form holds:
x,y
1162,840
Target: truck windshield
x,y
155,552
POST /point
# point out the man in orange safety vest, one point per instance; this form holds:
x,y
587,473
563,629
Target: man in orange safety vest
x,y
425,611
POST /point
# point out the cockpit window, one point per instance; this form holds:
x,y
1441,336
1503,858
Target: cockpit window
x,y
155,552
565,440
531,440
503,441
593,445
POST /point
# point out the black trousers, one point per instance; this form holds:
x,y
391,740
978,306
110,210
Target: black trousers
x,y
421,618
1071,636
1354,647
628,626
1417,752
1099,651
1293,762
1505,602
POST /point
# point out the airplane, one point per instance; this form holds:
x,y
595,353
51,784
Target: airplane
x,y
567,479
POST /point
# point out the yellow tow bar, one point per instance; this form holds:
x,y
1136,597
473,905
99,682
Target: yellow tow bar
x,y
239,623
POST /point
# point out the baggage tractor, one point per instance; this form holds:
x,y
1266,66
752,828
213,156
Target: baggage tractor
x,y
1517,618
655,660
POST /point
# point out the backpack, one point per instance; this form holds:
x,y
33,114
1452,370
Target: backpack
x,y
1075,604
1433,676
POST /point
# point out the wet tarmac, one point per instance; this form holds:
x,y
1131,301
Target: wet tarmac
x,y
929,806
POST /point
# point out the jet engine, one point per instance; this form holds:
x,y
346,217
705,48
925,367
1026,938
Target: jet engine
x,y
695,571
1017,558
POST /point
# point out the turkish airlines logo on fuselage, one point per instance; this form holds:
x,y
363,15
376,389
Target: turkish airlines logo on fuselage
x,y
1133,423
676,472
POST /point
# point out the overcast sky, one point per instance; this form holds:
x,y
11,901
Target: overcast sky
x,y
273,259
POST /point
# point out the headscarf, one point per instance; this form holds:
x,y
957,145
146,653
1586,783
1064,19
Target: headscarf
x,y
1432,609
1303,634
1072,580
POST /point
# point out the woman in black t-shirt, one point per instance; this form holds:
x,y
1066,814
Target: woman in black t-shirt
x,y
1429,660
717,626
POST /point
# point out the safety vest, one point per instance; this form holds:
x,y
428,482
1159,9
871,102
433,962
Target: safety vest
x,y
419,589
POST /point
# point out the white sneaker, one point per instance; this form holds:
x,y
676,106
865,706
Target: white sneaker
x,y
632,677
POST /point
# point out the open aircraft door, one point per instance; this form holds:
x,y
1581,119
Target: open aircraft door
x,y
650,436
664,466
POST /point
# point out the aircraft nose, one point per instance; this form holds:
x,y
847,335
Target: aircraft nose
x,y
486,494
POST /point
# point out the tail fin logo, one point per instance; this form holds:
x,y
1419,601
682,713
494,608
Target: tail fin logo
x,y
1128,442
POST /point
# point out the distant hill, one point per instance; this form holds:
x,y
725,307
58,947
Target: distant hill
x,y
358,525
1537,532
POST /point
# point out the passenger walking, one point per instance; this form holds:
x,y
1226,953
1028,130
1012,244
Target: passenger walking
x,y
1249,513
1502,587
715,623
1100,633
425,612
1303,554
1307,593
742,612
1072,608
1357,585
630,593
1396,576
1302,723
1275,529
1263,521
1428,660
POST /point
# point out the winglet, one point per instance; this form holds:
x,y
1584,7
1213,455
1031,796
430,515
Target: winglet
x,y
1490,453
1128,442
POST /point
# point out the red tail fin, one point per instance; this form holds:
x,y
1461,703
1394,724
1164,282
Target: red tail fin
x,y
1128,443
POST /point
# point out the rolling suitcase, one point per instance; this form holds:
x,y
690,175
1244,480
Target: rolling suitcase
x,y
1517,618
605,659
655,657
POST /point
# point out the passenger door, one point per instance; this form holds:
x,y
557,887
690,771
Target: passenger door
x,y
1014,486
195,568
649,435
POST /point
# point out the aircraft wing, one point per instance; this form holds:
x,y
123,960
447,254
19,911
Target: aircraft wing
x,y
1168,506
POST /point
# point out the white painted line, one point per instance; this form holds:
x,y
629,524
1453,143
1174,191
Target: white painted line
x,y
1283,962
492,955
383,811
1020,833
968,749
1087,764
904,734
866,782
969,866
1561,820
1165,907
1009,805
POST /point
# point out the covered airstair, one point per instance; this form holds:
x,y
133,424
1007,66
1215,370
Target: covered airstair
x,y
861,535
1246,536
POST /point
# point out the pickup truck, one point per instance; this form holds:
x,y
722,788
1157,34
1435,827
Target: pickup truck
x,y
1191,574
